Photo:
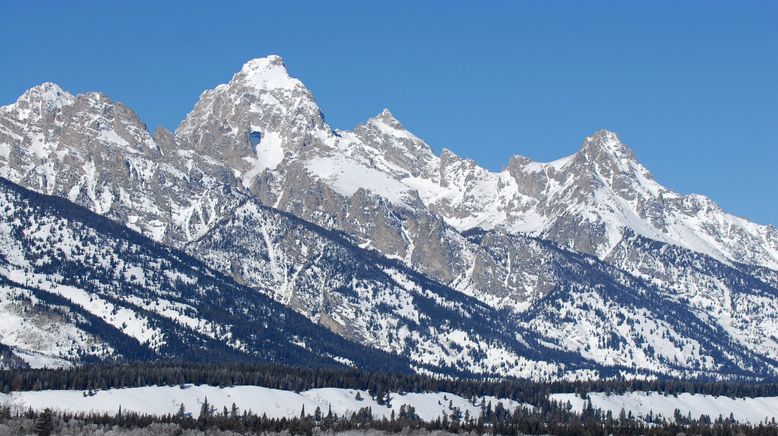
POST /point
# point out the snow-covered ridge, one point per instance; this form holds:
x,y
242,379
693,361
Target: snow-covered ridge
x,y
601,188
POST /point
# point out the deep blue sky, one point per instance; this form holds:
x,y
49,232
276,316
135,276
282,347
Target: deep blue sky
x,y
691,86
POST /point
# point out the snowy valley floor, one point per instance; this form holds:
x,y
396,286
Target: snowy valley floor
x,y
641,404
276,403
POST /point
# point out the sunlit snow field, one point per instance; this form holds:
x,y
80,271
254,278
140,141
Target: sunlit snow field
x,y
275,403
746,410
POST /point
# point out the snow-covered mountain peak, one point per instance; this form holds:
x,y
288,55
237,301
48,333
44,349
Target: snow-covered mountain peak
x,y
263,62
388,125
256,119
47,91
387,118
605,139
399,149
605,136
604,160
266,73
606,144
518,161
448,157
447,154
40,98
51,117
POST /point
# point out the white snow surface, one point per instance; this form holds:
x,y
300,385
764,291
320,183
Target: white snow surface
x,y
346,177
746,410
37,361
276,403
269,155
268,73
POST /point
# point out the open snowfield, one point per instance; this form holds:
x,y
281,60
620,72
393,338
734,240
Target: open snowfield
x,y
746,410
275,403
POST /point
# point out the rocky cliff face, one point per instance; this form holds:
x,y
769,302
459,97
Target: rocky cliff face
x,y
98,154
259,143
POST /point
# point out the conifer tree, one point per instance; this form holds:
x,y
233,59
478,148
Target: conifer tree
x,y
44,424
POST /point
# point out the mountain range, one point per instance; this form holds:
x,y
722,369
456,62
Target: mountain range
x,y
257,231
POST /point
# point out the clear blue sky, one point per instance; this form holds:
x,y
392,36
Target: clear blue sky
x,y
691,86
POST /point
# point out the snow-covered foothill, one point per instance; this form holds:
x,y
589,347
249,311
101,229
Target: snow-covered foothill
x,y
641,404
275,403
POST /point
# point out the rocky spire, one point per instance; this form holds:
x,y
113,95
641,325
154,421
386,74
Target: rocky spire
x,y
261,100
606,144
387,118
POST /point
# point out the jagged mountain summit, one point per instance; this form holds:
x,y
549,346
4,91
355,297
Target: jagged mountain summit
x,y
256,152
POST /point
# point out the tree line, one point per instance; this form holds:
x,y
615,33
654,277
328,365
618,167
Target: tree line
x,y
298,378
554,419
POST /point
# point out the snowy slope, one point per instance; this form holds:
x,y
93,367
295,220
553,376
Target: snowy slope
x,y
380,303
738,298
373,300
142,292
146,301
79,287
44,335
275,403
641,404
